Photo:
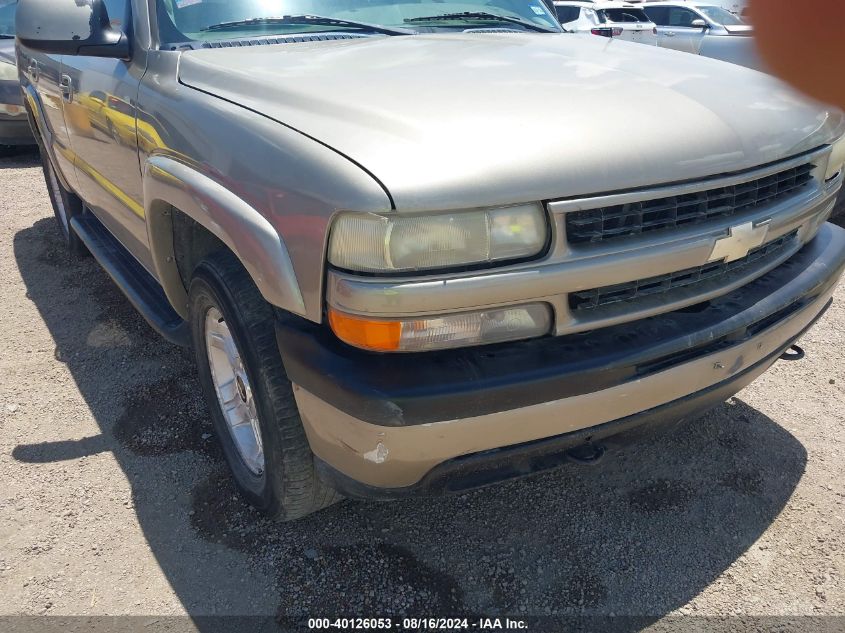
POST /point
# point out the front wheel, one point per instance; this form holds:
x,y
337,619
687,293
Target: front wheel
x,y
248,393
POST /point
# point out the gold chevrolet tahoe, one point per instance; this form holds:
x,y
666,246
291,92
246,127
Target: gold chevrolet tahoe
x,y
424,246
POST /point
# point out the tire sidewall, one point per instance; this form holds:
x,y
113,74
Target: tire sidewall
x,y
207,292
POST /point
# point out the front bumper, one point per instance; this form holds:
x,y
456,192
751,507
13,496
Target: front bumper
x,y
390,425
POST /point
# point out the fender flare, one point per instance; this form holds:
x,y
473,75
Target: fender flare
x,y
169,183
36,114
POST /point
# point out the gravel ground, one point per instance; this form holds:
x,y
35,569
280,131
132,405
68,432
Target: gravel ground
x,y
114,499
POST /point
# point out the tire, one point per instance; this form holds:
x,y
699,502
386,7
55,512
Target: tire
x,y
66,205
113,133
285,485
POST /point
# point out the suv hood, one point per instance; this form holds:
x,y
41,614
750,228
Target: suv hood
x,y
456,120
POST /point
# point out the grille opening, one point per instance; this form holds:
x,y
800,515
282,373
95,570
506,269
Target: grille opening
x,y
630,291
636,218
695,309
764,324
685,356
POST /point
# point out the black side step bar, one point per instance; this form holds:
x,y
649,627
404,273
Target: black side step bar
x,y
142,290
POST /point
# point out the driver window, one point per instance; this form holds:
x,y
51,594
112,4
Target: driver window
x,y
681,17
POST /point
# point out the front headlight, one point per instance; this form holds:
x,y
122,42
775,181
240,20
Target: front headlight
x,y
837,159
8,72
368,242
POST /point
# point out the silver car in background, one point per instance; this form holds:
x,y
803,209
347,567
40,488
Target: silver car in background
x,y
621,20
704,29
14,126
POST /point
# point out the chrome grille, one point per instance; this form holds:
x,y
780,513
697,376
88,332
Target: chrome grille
x,y
631,291
626,220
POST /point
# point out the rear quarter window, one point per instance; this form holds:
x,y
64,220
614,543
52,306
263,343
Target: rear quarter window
x,y
625,15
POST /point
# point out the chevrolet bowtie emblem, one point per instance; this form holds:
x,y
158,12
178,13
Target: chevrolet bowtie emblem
x,y
739,241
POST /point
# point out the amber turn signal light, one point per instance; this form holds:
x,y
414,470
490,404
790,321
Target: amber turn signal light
x,y
379,336
443,331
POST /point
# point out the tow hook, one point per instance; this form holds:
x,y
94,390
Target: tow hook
x,y
586,454
793,353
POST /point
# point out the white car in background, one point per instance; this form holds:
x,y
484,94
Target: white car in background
x,y
704,28
621,20
737,7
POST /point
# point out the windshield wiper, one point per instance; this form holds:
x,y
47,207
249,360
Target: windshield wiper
x,y
480,15
318,20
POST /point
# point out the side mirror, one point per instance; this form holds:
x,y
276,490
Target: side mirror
x,y
69,27
698,24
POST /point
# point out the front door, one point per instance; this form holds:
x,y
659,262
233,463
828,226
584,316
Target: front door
x,y
42,85
100,116
674,28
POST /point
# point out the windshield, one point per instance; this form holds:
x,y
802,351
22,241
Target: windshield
x,y
7,18
721,16
185,20
624,15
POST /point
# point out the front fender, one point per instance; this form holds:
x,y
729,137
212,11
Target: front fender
x,y
170,183
36,115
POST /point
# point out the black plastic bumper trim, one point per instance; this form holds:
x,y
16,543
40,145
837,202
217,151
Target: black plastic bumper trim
x,y
477,470
406,389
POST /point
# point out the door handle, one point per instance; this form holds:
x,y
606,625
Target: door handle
x,y
670,33
33,70
66,86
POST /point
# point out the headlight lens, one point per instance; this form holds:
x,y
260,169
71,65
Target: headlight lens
x,y
8,72
837,159
443,331
368,242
